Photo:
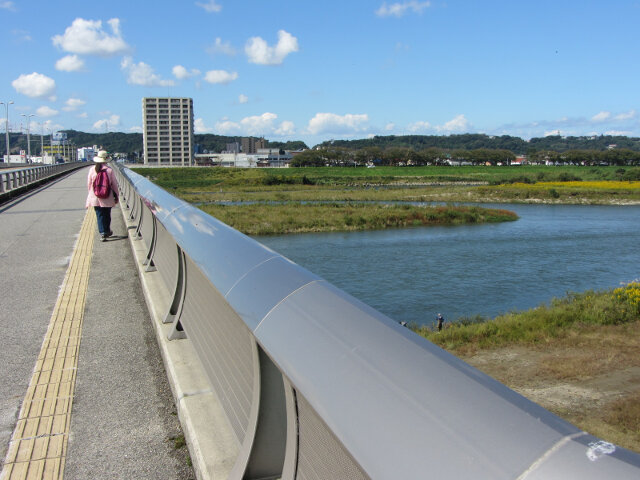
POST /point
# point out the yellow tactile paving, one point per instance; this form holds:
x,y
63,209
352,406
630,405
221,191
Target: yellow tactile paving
x,y
39,443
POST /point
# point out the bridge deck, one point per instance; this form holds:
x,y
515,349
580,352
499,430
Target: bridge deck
x,y
83,391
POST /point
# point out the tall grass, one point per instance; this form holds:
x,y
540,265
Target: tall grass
x,y
267,219
535,326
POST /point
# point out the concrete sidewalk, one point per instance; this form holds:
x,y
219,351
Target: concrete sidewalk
x,y
123,421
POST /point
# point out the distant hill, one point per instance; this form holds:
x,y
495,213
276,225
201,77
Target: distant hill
x,y
473,141
131,143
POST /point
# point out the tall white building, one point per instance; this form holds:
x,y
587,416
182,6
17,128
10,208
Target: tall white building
x,y
167,130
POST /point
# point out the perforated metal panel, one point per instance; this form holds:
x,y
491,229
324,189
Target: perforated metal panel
x,y
165,257
320,455
146,227
224,345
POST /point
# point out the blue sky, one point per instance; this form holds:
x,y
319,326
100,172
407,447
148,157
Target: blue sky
x,y
314,71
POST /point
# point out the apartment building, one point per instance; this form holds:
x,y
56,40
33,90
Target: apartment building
x,y
252,144
167,130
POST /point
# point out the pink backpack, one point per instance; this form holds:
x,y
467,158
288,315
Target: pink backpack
x,y
101,185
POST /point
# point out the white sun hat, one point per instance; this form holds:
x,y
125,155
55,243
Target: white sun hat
x,y
102,157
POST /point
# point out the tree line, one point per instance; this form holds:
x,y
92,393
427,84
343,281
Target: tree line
x,y
475,141
404,156
388,150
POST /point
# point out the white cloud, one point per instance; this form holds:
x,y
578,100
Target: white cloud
x,y
389,127
143,74
457,124
35,85
8,6
227,127
52,127
46,111
181,73
618,133
265,124
261,53
221,47
243,98
626,116
107,123
82,115
136,129
550,133
70,63
332,123
286,128
211,6
420,126
199,126
73,104
21,36
87,37
601,117
259,124
399,9
220,76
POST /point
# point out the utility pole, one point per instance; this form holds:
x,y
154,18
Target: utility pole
x,y
6,107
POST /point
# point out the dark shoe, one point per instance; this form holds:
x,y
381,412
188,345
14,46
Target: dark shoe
x,y
109,234
104,238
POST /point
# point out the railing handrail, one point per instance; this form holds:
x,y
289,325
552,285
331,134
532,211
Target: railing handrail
x,y
361,394
21,176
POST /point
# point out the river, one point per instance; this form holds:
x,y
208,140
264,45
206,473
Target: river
x,y
413,274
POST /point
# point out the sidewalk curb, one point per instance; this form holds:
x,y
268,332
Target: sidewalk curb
x,y
207,431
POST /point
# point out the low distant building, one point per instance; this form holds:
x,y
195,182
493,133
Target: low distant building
x,y
232,148
273,157
86,154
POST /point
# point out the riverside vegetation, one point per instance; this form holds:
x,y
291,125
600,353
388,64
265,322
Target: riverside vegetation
x,y
577,356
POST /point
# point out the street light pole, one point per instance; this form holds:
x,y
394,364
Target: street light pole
x,y
28,117
42,142
6,107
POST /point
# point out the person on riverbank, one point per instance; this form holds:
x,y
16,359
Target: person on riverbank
x,y
102,198
440,320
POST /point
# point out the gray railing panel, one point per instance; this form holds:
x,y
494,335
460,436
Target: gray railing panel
x,y
265,286
146,227
223,254
462,419
586,458
224,345
28,175
166,257
360,391
320,454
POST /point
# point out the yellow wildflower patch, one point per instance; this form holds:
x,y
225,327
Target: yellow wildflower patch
x,y
593,185
629,294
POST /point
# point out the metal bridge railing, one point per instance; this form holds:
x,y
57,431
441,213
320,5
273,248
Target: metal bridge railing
x,y
14,179
318,385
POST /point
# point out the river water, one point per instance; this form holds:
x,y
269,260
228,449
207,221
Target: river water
x,y
413,274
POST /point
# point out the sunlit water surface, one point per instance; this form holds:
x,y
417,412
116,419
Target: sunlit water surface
x,y
412,274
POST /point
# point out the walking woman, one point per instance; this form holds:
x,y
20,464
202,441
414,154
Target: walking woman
x,y
103,192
